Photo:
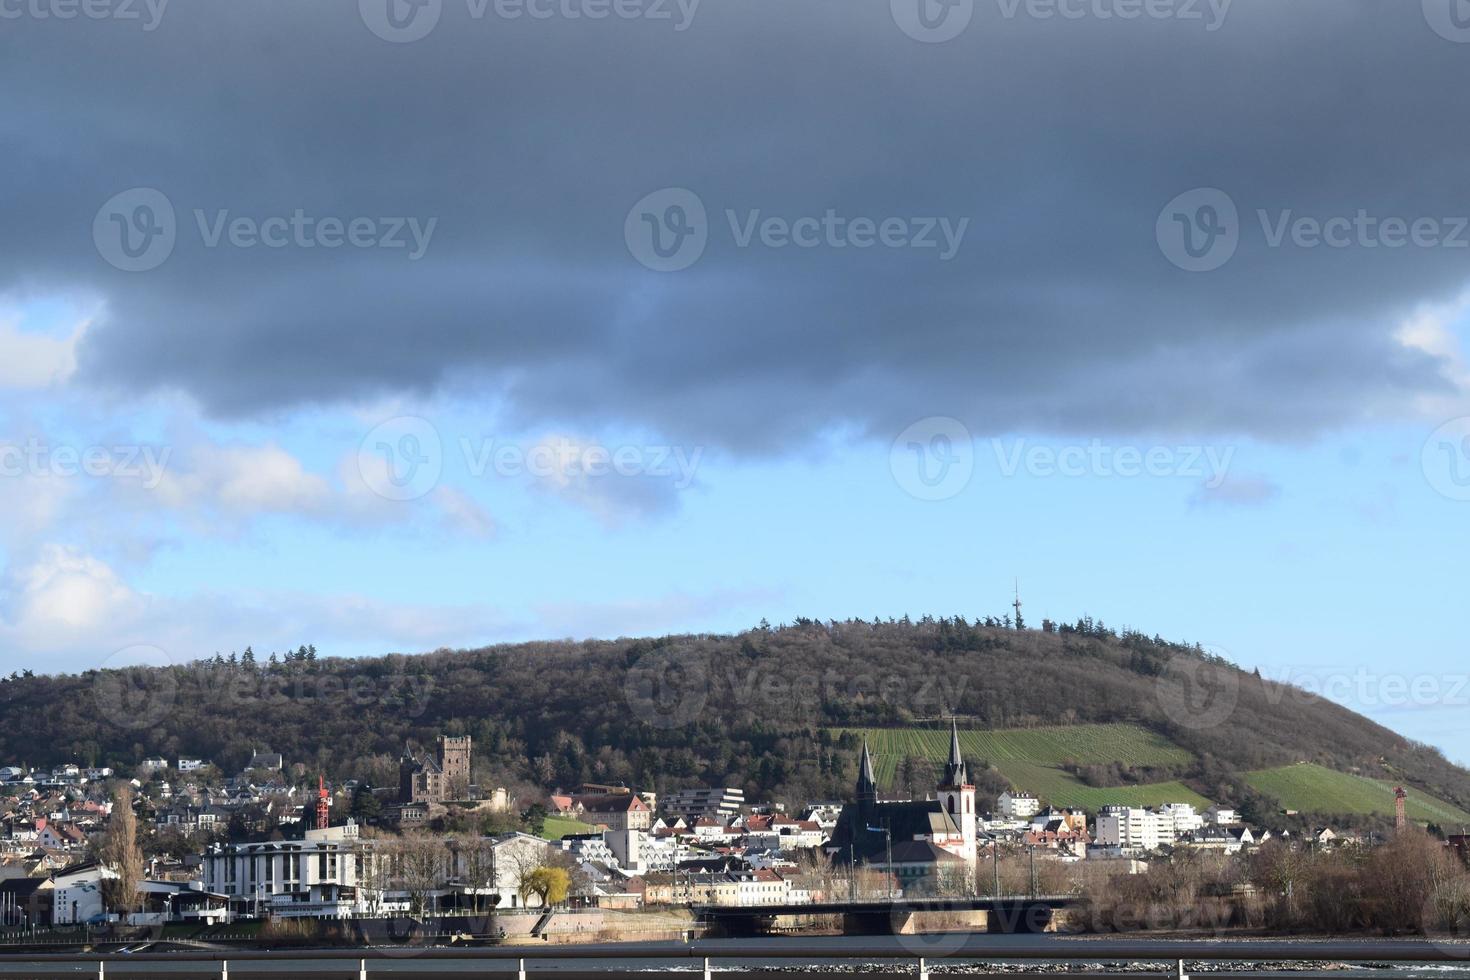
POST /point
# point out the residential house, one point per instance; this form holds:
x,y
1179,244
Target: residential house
x,y
1017,805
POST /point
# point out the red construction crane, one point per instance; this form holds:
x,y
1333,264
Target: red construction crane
x,y
1400,804
323,804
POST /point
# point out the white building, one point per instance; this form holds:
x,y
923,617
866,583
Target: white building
x,y
1181,817
1132,829
639,853
330,874
77,895
720,803
511,855
1222,816
1015,805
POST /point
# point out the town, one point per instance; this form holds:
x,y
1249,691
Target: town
x,y
177,843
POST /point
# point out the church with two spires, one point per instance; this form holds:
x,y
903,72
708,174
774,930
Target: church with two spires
x,y
911,838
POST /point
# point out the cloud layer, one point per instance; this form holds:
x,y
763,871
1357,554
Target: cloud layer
x,y
530,139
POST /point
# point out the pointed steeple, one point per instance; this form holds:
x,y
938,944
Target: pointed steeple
x,y
955,772
867,784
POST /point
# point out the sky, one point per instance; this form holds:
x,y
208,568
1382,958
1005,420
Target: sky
x,y
391,325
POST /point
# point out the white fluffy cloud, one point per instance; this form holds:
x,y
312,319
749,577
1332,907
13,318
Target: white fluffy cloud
x,y
32,360
244,481
64,597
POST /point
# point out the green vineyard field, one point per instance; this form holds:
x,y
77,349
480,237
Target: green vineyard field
x,y
1306,786
1029,758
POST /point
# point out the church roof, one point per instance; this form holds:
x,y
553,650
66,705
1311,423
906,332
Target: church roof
x,y
867,785
955,771
861,826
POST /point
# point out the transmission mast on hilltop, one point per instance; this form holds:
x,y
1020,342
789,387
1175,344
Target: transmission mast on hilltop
x,y
1020,623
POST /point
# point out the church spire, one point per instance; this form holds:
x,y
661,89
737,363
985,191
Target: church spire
x,y
955,773
867,785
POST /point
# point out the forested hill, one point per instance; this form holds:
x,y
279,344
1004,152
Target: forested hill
x,y
760,709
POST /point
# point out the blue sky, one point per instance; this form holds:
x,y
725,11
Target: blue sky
x,y
1338,557
352,323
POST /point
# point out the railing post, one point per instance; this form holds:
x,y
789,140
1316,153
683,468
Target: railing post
x,y
521,971
362,969
1181,975
101,970
923,970
224,970
706,968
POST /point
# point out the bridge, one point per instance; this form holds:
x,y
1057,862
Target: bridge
x,y
895,917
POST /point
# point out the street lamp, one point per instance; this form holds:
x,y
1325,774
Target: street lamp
x,y
888,844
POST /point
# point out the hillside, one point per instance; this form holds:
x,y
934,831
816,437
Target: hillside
x,y
1033,760
1311,787
772,710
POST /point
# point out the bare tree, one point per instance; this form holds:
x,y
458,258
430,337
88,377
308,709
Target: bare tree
x,y
121,855
418,867
477,866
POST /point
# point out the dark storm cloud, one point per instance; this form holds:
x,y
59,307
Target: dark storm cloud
x,y
529,141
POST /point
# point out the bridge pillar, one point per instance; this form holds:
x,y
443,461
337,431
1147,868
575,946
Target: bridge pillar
x,y
1020,917
740,926
867,923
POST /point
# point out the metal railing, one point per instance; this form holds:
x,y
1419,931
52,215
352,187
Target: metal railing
x,y
909,954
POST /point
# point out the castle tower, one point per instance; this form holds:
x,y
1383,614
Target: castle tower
x,y
454,761
957,793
